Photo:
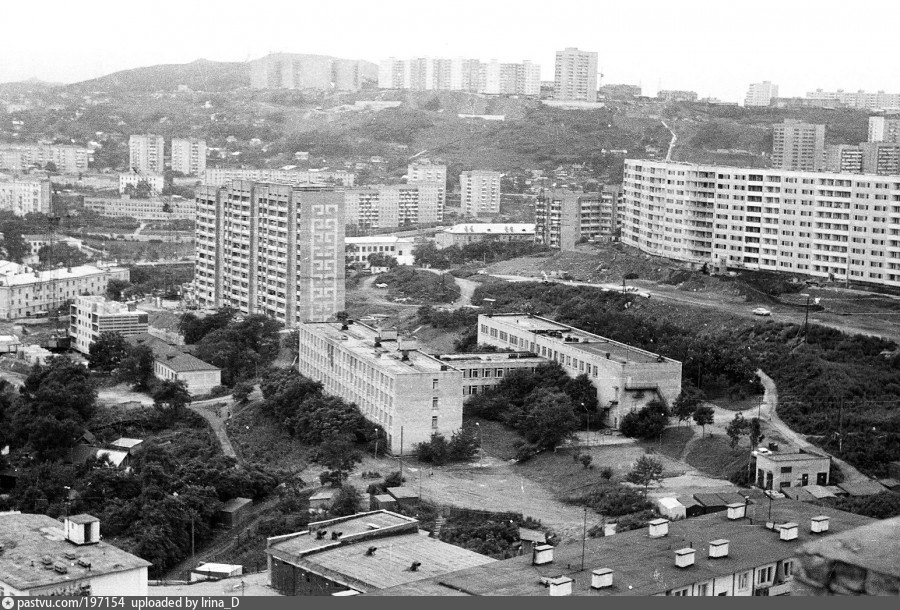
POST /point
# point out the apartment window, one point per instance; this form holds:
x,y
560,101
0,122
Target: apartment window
x,y
788,568
743,581
434,402
764,575
680,593
434,423
703,590
434,384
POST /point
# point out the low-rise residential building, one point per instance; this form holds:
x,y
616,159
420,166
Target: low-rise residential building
x,y
91,316
36,242
796,468
361,553
626,377
45,557
222,176
25,292
155,182
676,95
467,233
749,551
170,208
25,196
170,363
410,394
360,248
485,370
860,561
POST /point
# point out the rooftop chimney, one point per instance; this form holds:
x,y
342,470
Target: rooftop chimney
x,y
371,551
560,586
659,528
82,529
819,525
684,557
415,566
788,531
718,549
736,511
542,554
320,535
601,578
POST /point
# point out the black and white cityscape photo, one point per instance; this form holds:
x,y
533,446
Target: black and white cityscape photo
x,y
472,298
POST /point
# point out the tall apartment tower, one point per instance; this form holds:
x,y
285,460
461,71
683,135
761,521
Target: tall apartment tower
x,y
761,94
799,146
430,173
844,159
479,193
146,154
880,158
884,129
273,249
189,156
576,75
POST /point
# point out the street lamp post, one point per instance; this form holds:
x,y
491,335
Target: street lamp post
x,y
480,446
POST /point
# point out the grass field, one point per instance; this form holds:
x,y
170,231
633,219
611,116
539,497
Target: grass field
x,y
713,456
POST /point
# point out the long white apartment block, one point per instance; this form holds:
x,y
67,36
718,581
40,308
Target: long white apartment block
x,y
272,249
844,227
626,377
221,176
410,394
395,205
67,158
457,74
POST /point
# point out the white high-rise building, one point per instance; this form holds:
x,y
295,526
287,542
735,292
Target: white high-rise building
x,y
189,156
761,94
273,249
430,173
91,316
394,205
146,154
798,146
576,75
884,129
828,225
479,193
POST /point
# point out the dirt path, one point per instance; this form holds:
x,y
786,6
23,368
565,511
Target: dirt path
x,y
216,423
769,414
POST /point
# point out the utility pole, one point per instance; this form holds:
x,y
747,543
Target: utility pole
x,y
583,537
841,427
401,454
806,320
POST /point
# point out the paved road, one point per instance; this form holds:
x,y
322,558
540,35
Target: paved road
x,y
672,143
745,310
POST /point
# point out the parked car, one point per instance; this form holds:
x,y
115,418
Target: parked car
x,y
761,311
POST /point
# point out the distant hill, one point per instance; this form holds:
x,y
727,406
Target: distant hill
x,y
26,86
200,75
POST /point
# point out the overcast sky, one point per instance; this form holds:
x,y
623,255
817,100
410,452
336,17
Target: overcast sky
x,y
713,47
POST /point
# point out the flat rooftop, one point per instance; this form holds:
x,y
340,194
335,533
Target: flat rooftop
x,y
791,456
646,566
27,539
294,546
359,339
584,341
498,357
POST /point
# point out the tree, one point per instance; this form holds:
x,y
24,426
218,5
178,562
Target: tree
x,y
647,423
434,451
115,289
703,416
755,432
170,396
687,401
463,444
381,259
645,471
107,352
346,502
585,460
14,245
338,454
241,392
137,367
548,419
61,255
737,428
